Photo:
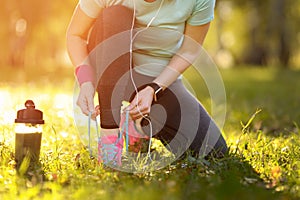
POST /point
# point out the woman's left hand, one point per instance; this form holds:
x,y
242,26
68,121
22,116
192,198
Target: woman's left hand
x,y
141,104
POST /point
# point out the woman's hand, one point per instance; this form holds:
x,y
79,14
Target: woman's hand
x,y
141,104
86,99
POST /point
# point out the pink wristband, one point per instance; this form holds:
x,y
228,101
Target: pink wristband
x,y
85,73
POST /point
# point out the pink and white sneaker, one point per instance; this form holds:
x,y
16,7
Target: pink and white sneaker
x,y
110,150
136,139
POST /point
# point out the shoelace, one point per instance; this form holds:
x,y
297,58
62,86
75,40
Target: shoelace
x,y
125,127
112,149
107,152
111,153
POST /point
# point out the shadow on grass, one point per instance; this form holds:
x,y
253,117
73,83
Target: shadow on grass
x,y
228,178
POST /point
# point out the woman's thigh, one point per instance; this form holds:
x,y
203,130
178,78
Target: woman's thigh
x,y
180,121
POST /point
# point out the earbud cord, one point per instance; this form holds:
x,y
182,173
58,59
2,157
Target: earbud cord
x,y
132,38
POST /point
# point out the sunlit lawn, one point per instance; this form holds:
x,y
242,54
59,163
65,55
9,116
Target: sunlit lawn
x,y
264,159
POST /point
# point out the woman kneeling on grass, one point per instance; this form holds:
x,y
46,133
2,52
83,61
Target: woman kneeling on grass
x,y
137,51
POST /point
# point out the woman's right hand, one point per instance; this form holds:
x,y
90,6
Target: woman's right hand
x,y
86,99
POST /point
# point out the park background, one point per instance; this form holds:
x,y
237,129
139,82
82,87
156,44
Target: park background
x,y
254,32
255,44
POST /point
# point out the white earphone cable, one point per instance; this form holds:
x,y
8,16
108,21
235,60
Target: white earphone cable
x,y
132,38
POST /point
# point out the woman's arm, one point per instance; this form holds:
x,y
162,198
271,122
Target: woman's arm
x,y
190,49
77,35
188,52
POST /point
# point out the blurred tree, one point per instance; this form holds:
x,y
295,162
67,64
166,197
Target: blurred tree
x,y
33,31
23,17
271,30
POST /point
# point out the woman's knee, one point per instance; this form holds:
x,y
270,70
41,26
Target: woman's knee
x,y
111,21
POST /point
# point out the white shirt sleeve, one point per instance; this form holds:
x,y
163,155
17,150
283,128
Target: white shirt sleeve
x,y
90,8
203,12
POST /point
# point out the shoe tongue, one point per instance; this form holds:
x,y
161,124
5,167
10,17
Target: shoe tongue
x,y
109,139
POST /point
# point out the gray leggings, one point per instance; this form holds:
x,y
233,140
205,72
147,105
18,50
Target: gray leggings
x,y
177,118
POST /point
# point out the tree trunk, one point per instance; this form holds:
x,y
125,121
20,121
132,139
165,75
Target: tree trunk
x,y
283,44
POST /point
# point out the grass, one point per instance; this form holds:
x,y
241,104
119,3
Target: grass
x,y
261,129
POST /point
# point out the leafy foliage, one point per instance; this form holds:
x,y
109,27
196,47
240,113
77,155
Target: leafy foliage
x,y
262,163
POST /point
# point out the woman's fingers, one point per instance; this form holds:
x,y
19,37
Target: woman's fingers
x,y
83,105
87,106
139,111
86,98
140,106
96,112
